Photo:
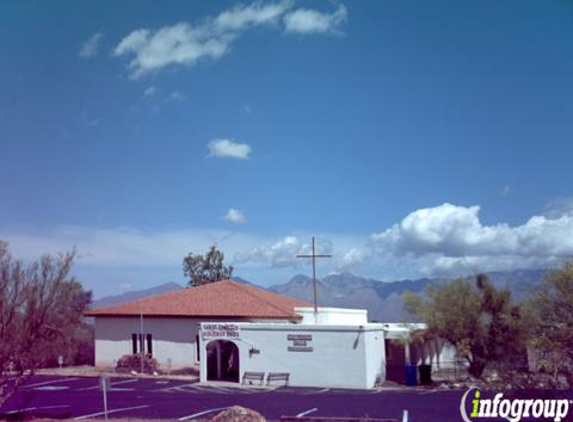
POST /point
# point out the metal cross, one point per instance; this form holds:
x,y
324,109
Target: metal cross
x,y
313,256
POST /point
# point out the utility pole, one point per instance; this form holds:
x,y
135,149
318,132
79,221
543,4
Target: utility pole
x,y
313,256
141,335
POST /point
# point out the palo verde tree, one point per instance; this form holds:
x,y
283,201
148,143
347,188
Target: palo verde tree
x,y
41,309
552,331
478,319
208,268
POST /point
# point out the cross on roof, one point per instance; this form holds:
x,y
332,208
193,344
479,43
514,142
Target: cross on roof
x,y
313,256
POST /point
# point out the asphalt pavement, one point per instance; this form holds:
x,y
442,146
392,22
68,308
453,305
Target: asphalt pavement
x,y
81,398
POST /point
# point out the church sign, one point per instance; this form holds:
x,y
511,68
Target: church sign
x,y
211,331
299,342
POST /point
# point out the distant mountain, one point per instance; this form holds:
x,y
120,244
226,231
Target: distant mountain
x,y
522,283
136,294
384,300
242,280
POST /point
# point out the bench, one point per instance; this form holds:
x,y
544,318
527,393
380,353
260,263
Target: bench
x,y
278,376
253,376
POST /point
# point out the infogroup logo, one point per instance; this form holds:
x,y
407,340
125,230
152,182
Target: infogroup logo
x,y
511,409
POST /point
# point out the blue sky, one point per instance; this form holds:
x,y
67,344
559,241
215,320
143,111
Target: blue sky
x,y
411,137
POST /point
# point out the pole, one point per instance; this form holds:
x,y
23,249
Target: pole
x,y
314,279
141,339
313,256
104,383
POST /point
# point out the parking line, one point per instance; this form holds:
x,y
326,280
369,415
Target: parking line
x,y
47,383
123,382
194,415
79,418
36,408
307,412
25,409
113,384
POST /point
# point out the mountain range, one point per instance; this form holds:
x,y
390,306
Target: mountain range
x,y
383,300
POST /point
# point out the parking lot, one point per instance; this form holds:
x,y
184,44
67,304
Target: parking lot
x,y
81,398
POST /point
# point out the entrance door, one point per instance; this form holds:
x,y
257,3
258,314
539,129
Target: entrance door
x,y
222,361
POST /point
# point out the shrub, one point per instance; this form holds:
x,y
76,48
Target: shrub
x,y
129,363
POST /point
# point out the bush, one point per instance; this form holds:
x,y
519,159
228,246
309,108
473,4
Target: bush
x,y
129,363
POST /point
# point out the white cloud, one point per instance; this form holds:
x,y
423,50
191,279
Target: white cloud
x,y
241,16
179,44
283,252
225,148
560,206
126,246
149,91
90,47
451,238
506,191
235,216
308,21
353,257
185,44
176,96
443,240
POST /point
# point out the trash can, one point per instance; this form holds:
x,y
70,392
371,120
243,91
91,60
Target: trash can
x,y
425,374
411,375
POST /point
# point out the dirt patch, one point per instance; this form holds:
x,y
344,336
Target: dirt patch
x,y
190,375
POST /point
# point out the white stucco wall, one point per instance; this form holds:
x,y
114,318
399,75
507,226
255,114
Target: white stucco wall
x,y
172,338
341,356
375,356
333,316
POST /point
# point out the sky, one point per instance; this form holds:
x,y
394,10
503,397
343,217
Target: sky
x,y
412,138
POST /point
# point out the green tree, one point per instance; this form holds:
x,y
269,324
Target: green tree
x,y
41,308
208,268
478,319
552,333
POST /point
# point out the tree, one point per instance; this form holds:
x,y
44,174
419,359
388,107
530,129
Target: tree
x,y
206,269
478,319
552,333
41,308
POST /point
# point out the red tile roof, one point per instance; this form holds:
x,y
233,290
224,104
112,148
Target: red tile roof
x,y
223,299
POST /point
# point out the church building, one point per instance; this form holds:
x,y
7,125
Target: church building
x,y
241,333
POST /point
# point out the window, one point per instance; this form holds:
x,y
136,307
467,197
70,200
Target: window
x,y
138,345
149,345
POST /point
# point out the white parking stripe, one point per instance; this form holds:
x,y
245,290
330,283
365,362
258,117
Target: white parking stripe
x,y
110,411
113,384
194,415
20,410
307,412
48,382
36,408
123,382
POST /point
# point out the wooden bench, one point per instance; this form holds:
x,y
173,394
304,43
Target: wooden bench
x,y
254,376
278,376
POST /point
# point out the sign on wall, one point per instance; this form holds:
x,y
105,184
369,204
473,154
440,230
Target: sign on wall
x,y
299,342
211,331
